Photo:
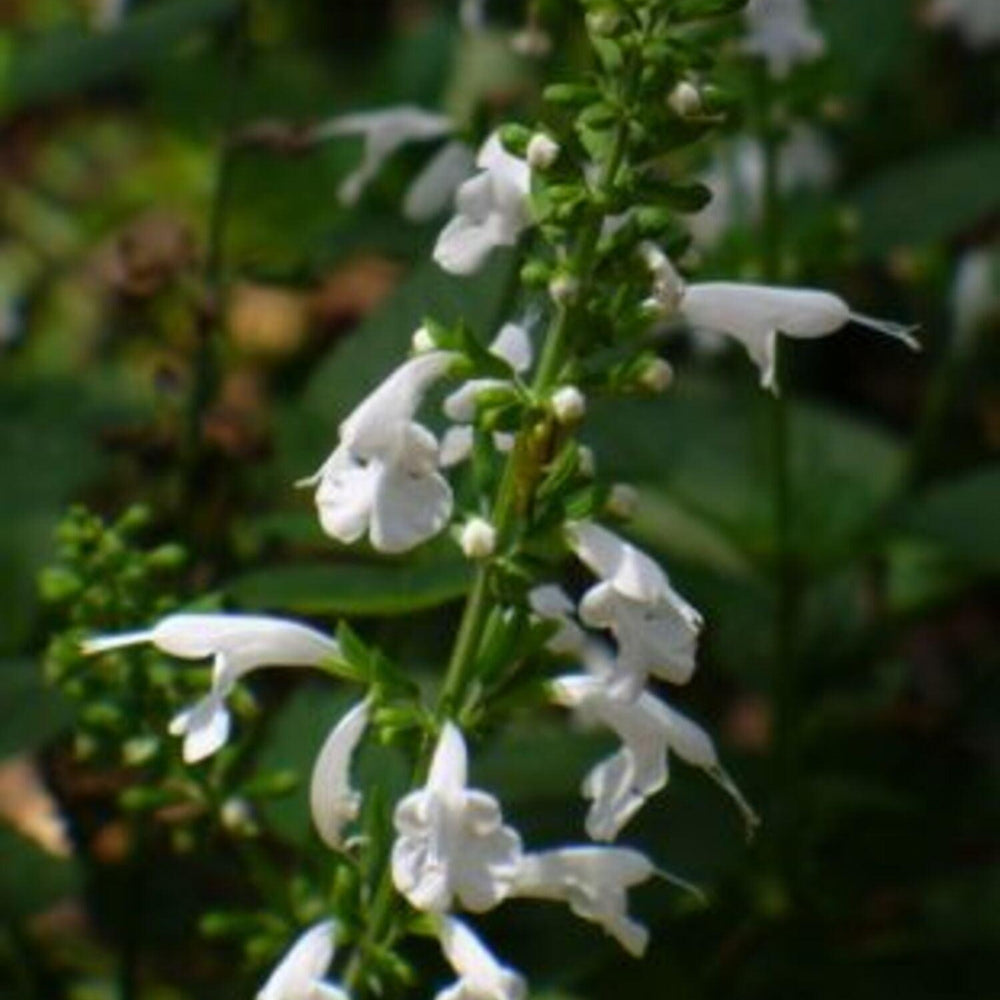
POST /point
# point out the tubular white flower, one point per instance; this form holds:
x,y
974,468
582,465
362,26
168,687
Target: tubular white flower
x,y
383,476
668,286
333,802
452,844
481,976
299,975
656,629
491,210
384,132
756,314
780,32
648,728
594,882
238,644
550,602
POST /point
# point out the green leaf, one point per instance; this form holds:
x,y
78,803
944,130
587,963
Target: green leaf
x,y
351,589
64,64
929,199
961,518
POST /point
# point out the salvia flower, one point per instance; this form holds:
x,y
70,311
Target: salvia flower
x,y
649,729
655,628
480,975
334,802
594,882
383,476
781,33
453,845
385,132
299,975
238,644
491,210
756,314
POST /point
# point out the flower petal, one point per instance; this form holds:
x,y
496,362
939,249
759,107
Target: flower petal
x,y
303,966
334,803
430,192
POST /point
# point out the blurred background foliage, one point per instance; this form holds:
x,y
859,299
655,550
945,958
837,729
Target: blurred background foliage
x,y
127,272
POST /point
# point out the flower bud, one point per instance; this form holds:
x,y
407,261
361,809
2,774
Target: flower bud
x,y
478,538
569,404
685,100
237,816
542,151
422,341
564,289
623,501
668,286
657,375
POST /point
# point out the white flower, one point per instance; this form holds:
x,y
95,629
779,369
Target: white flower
x,y
333,802
756,314
383,476
491,210
551,603
569,404
478,538
594,881
481,976
299,975
977,21
780,32
656,629
388,130
452,844
238,645
648,728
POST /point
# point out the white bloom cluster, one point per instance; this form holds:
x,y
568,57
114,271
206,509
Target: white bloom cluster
x,y
656,632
